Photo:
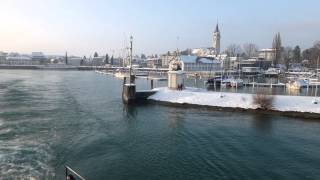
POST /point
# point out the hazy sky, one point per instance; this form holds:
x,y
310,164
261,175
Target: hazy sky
x,y
84,26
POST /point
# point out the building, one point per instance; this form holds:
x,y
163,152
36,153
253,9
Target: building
x,y
267,54
216,40
17,59
214,50
3,56
166,59
254,65
39,57
75,61
98,61
154,62
200,64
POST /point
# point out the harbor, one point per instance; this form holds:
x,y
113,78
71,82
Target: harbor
x,y
159,90
77,118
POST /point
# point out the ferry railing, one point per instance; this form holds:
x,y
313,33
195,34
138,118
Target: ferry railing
x,y
68,169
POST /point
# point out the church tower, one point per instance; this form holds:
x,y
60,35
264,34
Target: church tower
x,y
216,40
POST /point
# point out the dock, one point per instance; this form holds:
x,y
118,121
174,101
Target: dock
x,y
255,84
280,85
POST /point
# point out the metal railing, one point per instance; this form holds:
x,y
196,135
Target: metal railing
x,y
68,170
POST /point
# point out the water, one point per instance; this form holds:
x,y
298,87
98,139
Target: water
x,y
49,119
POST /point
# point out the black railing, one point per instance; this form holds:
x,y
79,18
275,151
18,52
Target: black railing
x,y
70,171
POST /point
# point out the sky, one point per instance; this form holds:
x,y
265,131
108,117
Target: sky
x,y
82,27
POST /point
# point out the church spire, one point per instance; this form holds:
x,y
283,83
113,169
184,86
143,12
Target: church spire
x,y
216,40
217,28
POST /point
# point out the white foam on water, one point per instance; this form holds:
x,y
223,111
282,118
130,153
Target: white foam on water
x,y
25,158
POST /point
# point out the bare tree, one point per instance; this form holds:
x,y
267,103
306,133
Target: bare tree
x,y
317,45
250,49
312,54
233,50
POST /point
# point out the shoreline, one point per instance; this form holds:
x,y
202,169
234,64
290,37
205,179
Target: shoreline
x,y
291,114
194,98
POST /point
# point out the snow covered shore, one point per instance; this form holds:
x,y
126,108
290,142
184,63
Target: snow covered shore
x,y
202,97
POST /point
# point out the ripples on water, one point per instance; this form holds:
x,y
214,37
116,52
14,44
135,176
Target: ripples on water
x,y
49,119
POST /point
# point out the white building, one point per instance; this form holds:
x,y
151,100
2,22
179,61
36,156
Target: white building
x,y
154,62
17,59
74,61
38,56
267,54
197,64
166,59
3,56
98,61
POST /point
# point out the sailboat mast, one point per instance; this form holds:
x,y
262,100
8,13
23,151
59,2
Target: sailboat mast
x,y
130,68
317,73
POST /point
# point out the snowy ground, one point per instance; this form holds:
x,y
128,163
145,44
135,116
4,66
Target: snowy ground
x,y
234,100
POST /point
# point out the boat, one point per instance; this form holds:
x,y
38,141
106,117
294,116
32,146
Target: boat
x,y
236,83
297,84
226,82
272,72
214,82
142,74
120,74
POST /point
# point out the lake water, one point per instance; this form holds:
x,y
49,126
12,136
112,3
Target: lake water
x,y
49,119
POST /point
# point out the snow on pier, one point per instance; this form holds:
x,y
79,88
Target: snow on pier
x,y
203,97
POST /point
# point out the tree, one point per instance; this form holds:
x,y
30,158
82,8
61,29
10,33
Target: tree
x,y
276,46
297,54
233,50
66,58
111,60
250,49
107,59
312,54
95,54
287,56
143,56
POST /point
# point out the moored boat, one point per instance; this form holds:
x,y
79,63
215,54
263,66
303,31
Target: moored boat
x,y
236,83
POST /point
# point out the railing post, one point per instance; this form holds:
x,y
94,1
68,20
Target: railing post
x,y
66,172
151,83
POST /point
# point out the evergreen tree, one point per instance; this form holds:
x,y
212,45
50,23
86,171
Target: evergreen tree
x,y
287,56
297,54
276,46
95,54
143,56
107,59
66,58
111,60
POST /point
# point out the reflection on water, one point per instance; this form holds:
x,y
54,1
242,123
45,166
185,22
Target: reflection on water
x,y
176,118
130,110
262,122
